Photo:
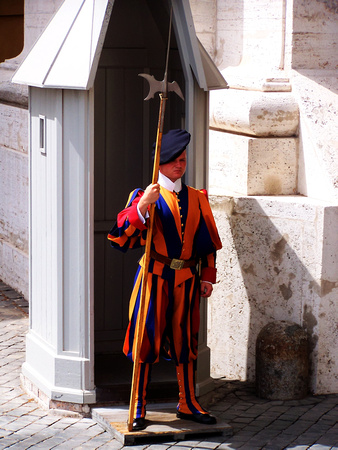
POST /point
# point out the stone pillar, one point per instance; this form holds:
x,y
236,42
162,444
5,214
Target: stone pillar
x,y
282,361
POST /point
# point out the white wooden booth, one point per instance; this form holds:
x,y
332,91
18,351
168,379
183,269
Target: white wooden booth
x,y
86,106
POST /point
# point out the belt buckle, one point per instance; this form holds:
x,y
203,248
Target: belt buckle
x,y
177,264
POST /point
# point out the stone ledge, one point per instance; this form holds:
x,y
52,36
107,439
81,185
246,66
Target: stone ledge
x,y
10,93
254,113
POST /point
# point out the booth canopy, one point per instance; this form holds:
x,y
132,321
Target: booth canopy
x,y
67,53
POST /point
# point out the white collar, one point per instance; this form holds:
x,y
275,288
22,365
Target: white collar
x,y
168,184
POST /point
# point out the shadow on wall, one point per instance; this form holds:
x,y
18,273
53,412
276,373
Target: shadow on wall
x,y
317,84
271,253
270,268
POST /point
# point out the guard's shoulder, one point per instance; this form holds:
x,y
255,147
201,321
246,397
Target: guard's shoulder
x,y
200,192
135,193
204,192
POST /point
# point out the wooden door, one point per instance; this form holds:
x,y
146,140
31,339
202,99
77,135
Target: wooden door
x,y
125,129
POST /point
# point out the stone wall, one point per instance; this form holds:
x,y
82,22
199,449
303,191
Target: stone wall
x,y
314,64
14,160
275,265
14,197
316,93
273,135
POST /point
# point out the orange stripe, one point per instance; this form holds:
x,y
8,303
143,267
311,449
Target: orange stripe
x,y
134,293
193,219
185,396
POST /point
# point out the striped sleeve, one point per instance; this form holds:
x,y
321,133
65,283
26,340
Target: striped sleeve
x,y
128,230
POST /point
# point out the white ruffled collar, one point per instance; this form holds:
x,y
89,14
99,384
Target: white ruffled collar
x,y
168,184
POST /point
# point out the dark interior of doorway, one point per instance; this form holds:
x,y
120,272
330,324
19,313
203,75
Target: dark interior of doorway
x,y
125,128
113,386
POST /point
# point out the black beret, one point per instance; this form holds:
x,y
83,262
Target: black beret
x,y
173,144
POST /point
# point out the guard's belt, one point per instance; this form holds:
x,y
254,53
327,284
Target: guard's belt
x,y
176,264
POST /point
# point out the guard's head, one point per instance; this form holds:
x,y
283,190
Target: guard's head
x,y
173,144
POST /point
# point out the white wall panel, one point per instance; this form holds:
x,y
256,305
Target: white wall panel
x,y
61,245
44,223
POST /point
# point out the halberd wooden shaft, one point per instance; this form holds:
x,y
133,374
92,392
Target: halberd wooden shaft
x,y
140,324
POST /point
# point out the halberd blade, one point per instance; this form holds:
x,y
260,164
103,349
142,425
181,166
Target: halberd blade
x,y
160,86
174,87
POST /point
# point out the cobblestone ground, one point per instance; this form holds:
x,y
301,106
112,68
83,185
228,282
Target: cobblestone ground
x,y
310,423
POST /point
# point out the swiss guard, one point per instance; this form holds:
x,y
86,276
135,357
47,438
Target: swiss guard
x,y
182,268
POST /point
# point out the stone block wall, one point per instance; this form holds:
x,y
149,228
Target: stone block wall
x,y
314,71
315,35
14,159
276,123
14,197
279,262
316,92
251,165
205,20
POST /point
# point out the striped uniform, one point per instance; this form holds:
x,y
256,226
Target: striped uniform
x,y
184,228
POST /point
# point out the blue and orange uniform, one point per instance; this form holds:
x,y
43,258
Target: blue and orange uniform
x,y
184,236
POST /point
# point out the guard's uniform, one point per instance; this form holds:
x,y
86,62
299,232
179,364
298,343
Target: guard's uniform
x,y
184,229
184,234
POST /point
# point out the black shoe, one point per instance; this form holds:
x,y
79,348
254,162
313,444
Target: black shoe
x,y
205,419
139,424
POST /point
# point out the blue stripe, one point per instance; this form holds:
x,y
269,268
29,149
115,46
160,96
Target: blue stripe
x,y
134,318
140,391
171,236
142,388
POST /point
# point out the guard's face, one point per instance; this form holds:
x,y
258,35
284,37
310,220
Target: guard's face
x,y
175,169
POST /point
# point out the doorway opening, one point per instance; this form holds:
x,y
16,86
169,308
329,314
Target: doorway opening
x,y
125,129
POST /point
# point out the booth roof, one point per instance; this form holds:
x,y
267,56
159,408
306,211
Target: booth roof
x,y
67,53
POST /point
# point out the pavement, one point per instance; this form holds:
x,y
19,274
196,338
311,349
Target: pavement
x,y
310,423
